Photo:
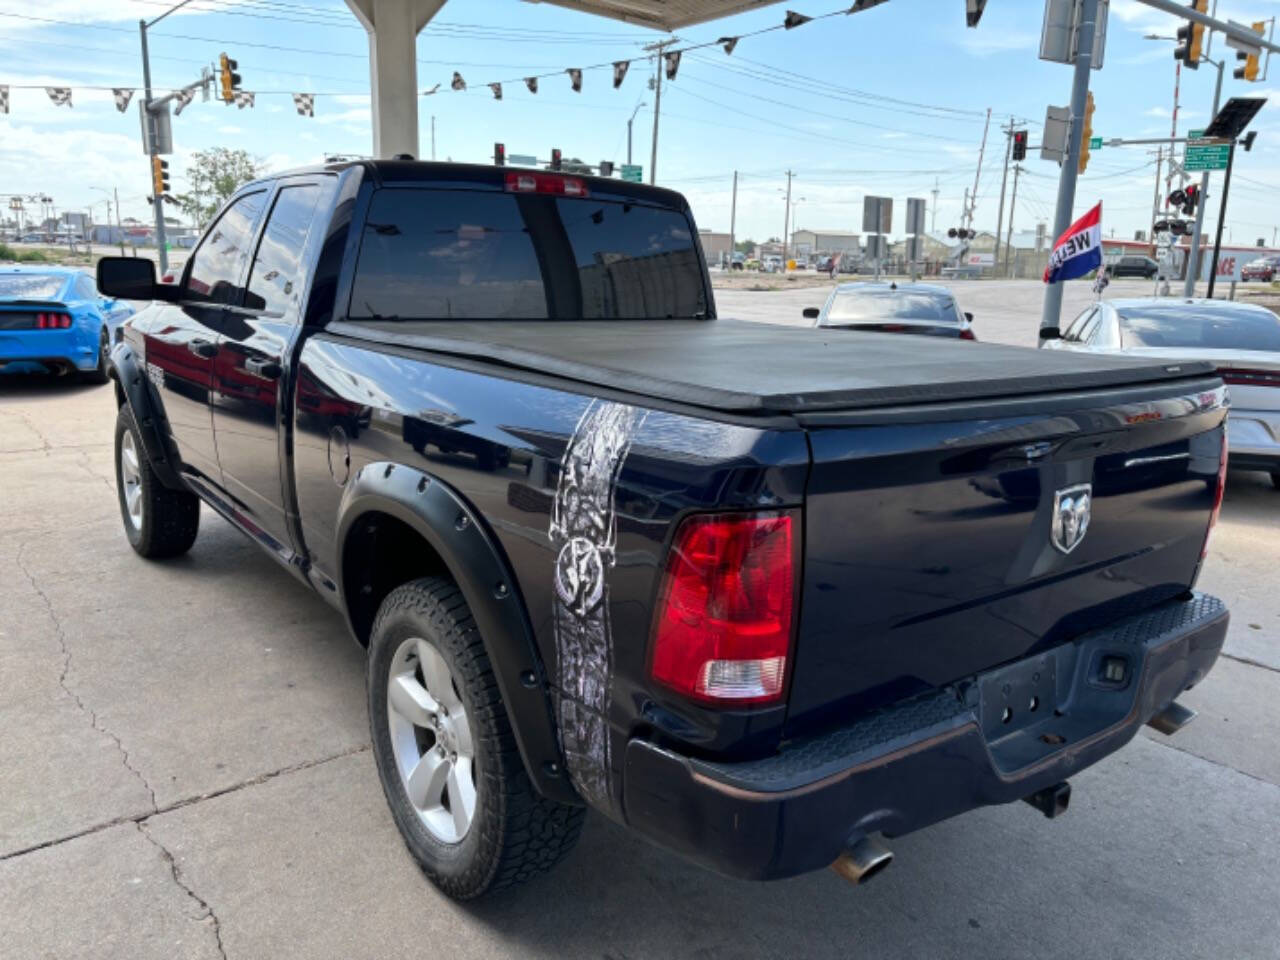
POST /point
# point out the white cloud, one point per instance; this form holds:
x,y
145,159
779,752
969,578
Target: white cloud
x,y
984,43
230,128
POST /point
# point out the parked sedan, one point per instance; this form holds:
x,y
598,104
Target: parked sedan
x,y
1143,267
1242,339
1264,268
919,308
54,319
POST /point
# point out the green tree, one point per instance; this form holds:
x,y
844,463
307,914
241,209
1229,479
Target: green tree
x,y
214,175
745,246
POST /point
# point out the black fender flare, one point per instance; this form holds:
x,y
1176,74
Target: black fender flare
x,y
136,388
455,530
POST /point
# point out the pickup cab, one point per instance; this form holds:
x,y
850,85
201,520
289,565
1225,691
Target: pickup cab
x,y
767,595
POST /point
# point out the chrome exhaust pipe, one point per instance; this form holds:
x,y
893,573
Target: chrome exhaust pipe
x,y
1172,719
862,860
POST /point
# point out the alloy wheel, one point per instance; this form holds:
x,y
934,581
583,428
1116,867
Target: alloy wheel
x,y
131,479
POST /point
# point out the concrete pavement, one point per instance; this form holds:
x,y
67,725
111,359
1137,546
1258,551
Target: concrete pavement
x,y
184,772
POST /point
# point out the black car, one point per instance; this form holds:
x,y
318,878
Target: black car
x,y
761,593
1143,267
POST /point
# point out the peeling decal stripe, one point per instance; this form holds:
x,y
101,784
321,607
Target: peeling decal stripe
x,y
584,532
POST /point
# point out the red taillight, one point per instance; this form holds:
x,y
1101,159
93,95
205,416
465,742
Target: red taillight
x,y
1251,378
545,183
967,334
53,321
722,631
1217,497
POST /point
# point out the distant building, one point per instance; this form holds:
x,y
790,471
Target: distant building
x,y
806,243
716,247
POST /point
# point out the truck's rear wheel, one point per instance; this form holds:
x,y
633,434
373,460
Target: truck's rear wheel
x,y
445,752
159,522
1275,478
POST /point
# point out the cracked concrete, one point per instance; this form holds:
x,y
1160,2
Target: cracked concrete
x,y
184,772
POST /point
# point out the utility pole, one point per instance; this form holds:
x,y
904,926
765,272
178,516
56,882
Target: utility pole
x,y
1008,149
658,49
1193,255
933,217
1052,309
786,222
157,202
1013,204
977,175
733,210
119,226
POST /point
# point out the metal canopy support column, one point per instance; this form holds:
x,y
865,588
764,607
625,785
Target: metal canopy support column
x,y
393,27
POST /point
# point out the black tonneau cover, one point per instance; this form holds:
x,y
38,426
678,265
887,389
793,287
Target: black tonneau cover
x,y
739,366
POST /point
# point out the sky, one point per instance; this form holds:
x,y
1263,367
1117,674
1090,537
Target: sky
x,y
890,101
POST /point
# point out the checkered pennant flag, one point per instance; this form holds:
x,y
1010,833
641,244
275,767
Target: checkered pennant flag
x,y
673,63
575,79
123,95
619,71
4,99
497,90
61,96
531,83
181,98
728,43
458,83
305,104
243,99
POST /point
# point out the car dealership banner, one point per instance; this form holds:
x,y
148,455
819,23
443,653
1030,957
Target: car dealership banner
x,y
1230,261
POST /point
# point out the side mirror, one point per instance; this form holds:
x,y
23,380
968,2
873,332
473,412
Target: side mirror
x,y
968,316
131,278
1050,333
811,313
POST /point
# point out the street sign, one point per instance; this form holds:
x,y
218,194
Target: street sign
x,y
1204,155
870,207
915,215
633,173
522,160
1060,32
1057,122
1095,143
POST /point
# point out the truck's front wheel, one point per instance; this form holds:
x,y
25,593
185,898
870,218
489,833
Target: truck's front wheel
x,y
159,522
447,758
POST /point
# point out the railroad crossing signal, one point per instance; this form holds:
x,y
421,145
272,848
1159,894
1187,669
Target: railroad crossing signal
x,y
1086,135
1019,145
227,77
1191,38
159,177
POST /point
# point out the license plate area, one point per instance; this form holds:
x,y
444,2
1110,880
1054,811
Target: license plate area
x,y
1018,696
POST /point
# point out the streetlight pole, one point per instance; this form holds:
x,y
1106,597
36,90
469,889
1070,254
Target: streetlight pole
x,y
629,122
1193,255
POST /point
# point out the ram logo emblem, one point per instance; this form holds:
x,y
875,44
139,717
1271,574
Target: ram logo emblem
x,y
1071,509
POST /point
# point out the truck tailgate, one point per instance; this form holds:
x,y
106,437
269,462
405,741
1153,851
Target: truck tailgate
x,y
929,553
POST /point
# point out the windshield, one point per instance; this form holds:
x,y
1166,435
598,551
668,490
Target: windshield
x,y
878,306
30,286
472,255
1210,327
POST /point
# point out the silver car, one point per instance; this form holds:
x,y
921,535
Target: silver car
x,y
1242,339
919,308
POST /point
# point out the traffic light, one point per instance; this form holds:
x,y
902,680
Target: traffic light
x,y
555,158
1250,57
1019,145
606,168
227,77
961,233
500,154
1190,197
1191,38
159,176
1087,132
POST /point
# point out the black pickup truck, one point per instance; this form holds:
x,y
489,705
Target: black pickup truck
x,y
764,594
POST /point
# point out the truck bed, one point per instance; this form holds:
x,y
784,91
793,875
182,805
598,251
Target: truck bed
x,y
741,367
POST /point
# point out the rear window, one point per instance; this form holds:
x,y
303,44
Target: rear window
x,y
31,286
1210,327
877,306
473,255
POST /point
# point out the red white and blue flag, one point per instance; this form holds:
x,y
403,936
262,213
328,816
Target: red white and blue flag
x,y
1078,250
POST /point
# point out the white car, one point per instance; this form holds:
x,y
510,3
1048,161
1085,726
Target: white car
x,y
1243,340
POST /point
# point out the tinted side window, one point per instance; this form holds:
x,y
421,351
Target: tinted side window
x,y
274,284
219,260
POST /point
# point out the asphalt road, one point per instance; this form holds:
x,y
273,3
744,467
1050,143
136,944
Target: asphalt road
x,y
184,772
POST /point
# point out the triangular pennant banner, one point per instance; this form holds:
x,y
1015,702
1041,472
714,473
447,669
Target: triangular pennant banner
x,y
575,79
497,90
305,104
728,43
4,99
182,98
620,71
243,99
59,95
794,19
673,63
458,83
531,83
123,95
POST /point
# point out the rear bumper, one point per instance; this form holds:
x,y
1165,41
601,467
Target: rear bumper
x,y
51,348
922,761
1253,440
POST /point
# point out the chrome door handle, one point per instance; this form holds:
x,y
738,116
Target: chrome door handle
x,y
203,348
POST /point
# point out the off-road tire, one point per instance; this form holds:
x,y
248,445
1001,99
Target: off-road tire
x,y
516,833
170,518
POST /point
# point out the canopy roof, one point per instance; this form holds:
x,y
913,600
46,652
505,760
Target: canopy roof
x,y
665,15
